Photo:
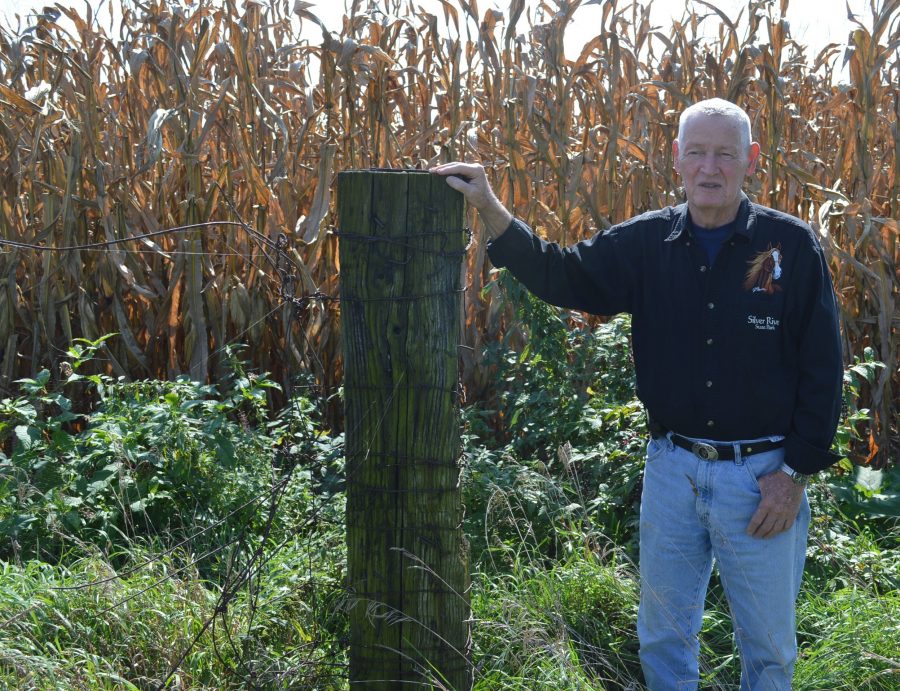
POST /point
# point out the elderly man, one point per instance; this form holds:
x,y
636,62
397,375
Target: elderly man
x,y
738,362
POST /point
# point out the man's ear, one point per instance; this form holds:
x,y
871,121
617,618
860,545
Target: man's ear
x,y
753,158
675,155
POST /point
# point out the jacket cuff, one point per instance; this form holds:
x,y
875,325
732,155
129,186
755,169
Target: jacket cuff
x,y
503,249
806,458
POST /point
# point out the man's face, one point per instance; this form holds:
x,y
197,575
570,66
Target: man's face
x,y
712,163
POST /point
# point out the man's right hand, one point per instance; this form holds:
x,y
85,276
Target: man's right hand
x,y
471,180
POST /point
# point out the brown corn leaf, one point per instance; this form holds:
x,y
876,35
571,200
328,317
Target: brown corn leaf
x,y
308,227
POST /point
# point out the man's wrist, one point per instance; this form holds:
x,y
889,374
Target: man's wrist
x,y
798,478
496,218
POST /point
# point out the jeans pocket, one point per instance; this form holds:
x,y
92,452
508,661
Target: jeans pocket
x,y
656,447
752,475
761,464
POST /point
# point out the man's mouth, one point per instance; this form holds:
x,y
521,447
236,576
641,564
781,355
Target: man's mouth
x,y
710,185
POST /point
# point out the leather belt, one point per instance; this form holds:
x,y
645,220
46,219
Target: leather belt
x,y
723,451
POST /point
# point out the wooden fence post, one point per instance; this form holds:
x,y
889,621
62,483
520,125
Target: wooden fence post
x,y
402,245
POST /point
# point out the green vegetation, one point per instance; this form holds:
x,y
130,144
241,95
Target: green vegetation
x,y
190,529
173,519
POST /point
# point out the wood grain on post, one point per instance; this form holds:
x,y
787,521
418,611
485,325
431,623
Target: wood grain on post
x,y
402,244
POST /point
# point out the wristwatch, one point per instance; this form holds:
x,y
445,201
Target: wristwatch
x,y
798,478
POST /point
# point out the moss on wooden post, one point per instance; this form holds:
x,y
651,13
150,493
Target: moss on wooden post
x,y
401,252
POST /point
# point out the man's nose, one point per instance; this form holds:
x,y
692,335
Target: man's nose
x,y
709,163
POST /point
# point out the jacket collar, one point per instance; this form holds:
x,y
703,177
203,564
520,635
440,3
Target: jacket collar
x,y
744,227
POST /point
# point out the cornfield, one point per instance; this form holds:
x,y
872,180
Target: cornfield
x,y
196,113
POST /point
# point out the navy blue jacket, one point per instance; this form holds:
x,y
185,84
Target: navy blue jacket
x,y
746,348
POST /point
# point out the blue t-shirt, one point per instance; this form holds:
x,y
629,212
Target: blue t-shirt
x,y
712,239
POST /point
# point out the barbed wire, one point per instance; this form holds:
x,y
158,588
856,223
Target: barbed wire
x,y
105,244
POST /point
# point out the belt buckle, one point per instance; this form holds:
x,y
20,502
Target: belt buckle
x,y
705,451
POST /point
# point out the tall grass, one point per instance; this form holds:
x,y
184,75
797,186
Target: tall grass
x,y
130,632
211,111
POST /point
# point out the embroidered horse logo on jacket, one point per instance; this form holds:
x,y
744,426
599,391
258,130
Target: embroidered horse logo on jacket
x,y
765,269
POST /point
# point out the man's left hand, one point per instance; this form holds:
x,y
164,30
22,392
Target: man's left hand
x,y
779,506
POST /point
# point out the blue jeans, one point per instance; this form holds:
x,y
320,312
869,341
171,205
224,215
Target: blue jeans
x,y
691,512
